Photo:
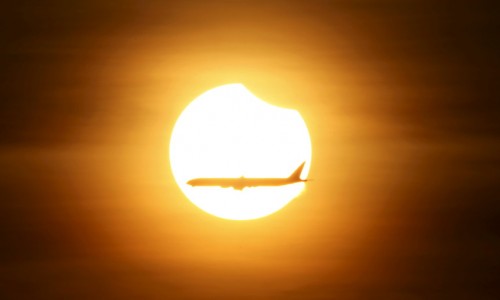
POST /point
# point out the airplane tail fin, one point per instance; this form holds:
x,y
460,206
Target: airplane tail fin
x,y
296,174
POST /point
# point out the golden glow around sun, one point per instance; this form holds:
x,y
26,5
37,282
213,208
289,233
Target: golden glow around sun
x,y
228,132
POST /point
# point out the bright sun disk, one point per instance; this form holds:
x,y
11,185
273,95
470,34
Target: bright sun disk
x,y
229,132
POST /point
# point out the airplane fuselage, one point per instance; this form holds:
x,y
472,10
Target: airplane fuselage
x,y
242,182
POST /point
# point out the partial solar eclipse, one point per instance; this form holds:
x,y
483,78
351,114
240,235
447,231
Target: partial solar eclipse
x,y
227,132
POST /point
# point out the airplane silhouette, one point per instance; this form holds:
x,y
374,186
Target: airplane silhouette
x,y
242,182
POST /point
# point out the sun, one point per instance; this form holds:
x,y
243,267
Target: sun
x,y
228,132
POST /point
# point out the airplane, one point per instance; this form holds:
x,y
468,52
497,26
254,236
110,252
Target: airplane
x,y
242,182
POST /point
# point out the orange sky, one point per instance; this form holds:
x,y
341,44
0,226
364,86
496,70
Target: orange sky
x,y
397,96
